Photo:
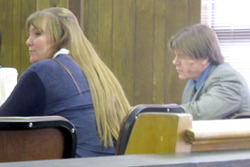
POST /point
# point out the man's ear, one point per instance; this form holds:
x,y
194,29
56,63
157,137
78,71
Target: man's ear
x,y
205,61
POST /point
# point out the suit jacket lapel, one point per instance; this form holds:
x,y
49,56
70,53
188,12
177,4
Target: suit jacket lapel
x,y
197,92
187,94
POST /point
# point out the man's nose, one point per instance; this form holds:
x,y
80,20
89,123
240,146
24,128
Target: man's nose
x,y
175,61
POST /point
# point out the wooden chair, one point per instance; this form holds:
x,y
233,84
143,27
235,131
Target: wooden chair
x,y
36,138
129,121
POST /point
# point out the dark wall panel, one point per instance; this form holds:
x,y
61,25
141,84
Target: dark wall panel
x,y
176,19
6,25
144,51
159,44
123,44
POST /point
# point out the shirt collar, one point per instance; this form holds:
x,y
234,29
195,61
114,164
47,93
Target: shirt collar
x,y
61,51
201,79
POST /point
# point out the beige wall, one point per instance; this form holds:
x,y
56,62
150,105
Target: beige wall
x,y
130,35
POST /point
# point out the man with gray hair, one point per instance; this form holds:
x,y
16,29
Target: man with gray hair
x,y
214,89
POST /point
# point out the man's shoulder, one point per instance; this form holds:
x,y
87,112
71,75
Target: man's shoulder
x,y
224,69
224,66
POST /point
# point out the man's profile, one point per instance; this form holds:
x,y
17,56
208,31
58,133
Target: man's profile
x,y
214,89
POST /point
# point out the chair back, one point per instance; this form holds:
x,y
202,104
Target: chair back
x,y
36,138
128,122
241,115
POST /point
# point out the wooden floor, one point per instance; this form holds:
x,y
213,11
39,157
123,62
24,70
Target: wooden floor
x,y
206,159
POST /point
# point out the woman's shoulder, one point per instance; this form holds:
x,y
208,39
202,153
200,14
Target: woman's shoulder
x,y
43,66
48,63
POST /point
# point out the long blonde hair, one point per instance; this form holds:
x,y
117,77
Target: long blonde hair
x,y
110,102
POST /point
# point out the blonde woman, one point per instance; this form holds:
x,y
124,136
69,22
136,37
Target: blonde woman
x,y
68,78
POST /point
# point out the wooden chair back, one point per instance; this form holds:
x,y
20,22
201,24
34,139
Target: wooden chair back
x,y
159,133
36,138
131,118
241,115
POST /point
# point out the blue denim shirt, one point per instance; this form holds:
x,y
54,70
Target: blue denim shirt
x,y
201,79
